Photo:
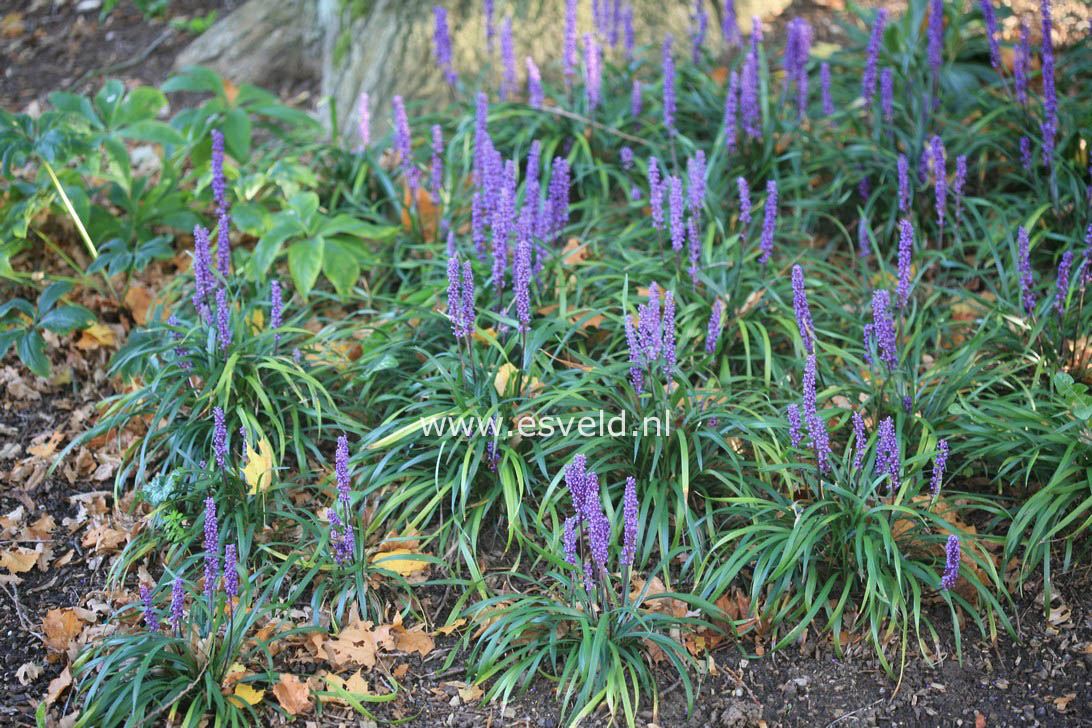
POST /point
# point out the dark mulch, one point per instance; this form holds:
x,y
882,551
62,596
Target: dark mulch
x,y
47,46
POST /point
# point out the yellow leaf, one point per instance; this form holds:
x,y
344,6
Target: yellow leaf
x,y
500,381
247,693
393,561
95,336
256,320
258,471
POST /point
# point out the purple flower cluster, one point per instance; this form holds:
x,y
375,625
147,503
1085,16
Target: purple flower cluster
x,y
364,122
887,94
150,620
868,78
906,249
802,310
744,201
797,49
699,26
219,437
341,538
1023,263
714,328
635,99
958,184
436,178
569,50
521,270
593,72
442,41
669,86
231,574
904,183
951,567
1050,95
223,319
936,44
817,428
940,460
1021,64
731,112
990,19
655,194
1062,284
202,271
769,222
589,518
460,298
212,548
729,26
824,85
178,597
653,338
630,514
508,59
883,328
223,244
748,94
534,85
860,440
675,205
940,178
403,144
216,161
695,189
792,414
341,470
1025,153
276,306
887,454
864,243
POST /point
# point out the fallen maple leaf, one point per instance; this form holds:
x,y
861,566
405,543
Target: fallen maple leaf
x,y
354,685
138,299
358,644
61,626
411,640
293,695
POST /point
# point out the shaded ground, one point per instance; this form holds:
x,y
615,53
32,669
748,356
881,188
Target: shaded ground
x,y
1045,679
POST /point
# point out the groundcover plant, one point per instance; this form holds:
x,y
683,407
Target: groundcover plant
x,y
835,293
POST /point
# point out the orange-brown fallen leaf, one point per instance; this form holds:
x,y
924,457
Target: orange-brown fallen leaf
x,y
58,685
293,695
18,560
61,626
411,640
358,644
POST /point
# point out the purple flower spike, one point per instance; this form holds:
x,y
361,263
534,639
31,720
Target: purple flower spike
x,y
534,85
769,222
729,26
714,327
178,597
939,461
864,242
957,185
990,18
569,539
442,43
744,201
675,203
1021,64
1050,94
906,249
824,85
699,27
626,155
635,99
521,273
467,313
868,78
694,241
808,385
820,441
887,94
202,269
223,244
750,115
231,575
883,328
490,30
669,336
1025,153
731,111
593,72
951,567
792,413
341,469
576,482
599,537
802,310
150,620
454,298
695,186
887,454
860,440
276,304
336,540
1062,284
508,58
212,548
669,86
219,437
940,178
569,51
655,193
936,43
630,513
1024,266
223,321
627,32
904,183
403,144
216,161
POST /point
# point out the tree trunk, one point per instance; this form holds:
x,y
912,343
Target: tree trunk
x,y
384,47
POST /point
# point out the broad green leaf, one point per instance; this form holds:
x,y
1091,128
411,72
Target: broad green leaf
x,y
236,129
340,266
305,262
64,319
32,351
150,130
269,246
51,294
